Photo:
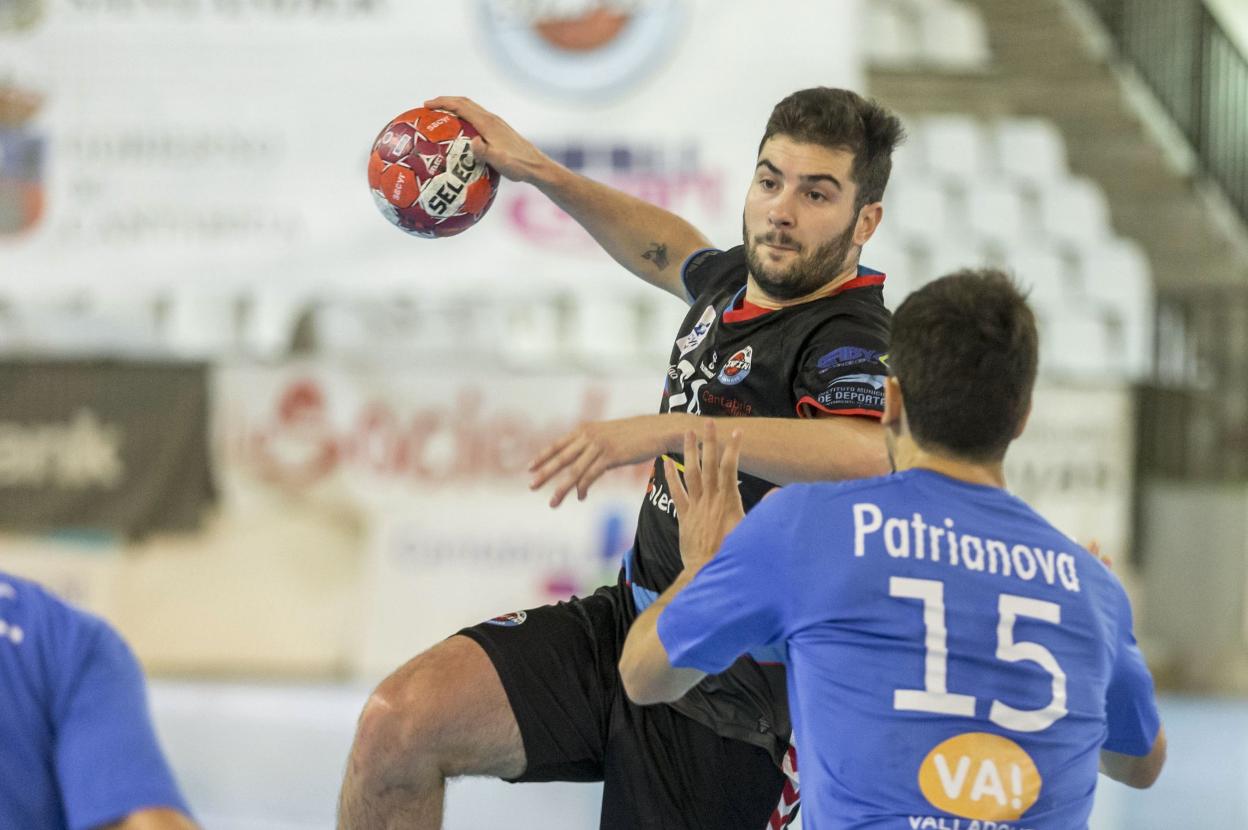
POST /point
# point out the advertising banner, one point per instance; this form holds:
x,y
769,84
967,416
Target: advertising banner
x,y
221,145
1075,462
103,446
435,464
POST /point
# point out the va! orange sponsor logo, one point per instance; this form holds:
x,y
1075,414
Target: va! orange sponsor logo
x,y
980,776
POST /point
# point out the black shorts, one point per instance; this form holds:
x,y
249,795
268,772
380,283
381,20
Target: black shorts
x,y
659,768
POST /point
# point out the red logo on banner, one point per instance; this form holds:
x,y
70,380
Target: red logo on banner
x,y
308,438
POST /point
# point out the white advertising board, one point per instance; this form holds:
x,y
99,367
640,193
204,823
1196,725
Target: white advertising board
x,y
221,144
435,465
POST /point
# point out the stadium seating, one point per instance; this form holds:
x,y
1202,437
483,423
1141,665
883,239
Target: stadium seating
x,y
935,34
998,193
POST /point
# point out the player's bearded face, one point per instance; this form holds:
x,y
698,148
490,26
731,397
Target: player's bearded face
x,y
810,271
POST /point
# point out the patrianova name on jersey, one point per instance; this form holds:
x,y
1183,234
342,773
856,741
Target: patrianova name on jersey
x,y
916,538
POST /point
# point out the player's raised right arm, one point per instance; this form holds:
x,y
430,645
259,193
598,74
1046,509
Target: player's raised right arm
x,y
651,242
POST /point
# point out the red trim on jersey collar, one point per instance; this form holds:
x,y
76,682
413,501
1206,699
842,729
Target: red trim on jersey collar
x,y
808,407
747,310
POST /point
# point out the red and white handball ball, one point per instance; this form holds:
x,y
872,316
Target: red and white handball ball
x,y
424,176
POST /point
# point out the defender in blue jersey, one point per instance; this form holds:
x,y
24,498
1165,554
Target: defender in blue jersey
x,y
954,661
77,748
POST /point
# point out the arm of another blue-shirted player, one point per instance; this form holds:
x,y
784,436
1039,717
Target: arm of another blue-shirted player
x,y
649,241
1135,748
111,771
722,603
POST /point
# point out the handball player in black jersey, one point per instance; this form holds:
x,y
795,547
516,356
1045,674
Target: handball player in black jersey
x,y
787,335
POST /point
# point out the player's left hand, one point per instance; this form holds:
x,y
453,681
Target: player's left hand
x,y
708,503
588,451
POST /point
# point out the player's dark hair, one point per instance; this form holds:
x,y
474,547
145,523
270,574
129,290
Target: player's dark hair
x,y
842,120
964,350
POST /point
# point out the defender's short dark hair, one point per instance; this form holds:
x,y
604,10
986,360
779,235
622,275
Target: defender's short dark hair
x,y
964,349
841,119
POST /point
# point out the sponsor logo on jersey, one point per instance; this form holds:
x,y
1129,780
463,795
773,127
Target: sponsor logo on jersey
x,y
856,391
979,776
737,367
848,356
695,337
509,620
658,496
726,405
707,367
874,381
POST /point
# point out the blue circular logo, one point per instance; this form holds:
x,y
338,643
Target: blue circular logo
x,y
595,49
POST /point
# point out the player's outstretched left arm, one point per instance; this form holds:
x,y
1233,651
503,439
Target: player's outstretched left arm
x,y
779,450
649,241
709,504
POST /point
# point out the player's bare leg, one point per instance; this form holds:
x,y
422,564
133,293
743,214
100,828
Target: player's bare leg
x,y
442,714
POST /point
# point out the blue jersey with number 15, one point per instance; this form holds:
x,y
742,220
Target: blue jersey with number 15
x,y
954,661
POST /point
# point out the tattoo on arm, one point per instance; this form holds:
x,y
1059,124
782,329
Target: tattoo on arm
x,y
657,254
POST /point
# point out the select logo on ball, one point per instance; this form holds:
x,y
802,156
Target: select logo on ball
x,y
424,176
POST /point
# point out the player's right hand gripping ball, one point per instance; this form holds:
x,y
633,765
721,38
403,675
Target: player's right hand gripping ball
x,y
424,176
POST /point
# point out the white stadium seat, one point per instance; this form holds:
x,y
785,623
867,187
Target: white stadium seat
x,y
920,210
936,34
892,34
956,146
908,159
604,328
530,329
890,252
954,36
661,318
1030,150
996,213
1117,279
1075,211
948,256
268,323
1075,344
1046,277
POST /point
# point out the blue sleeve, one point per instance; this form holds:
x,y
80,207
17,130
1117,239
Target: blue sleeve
x,y
736,602
693,273
108,762
1130,704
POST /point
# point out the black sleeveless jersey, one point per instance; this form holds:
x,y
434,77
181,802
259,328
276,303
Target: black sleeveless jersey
x,y
734,359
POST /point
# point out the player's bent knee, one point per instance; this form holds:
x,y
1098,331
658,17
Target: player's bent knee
x,y
444,710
